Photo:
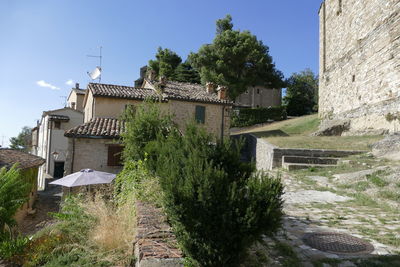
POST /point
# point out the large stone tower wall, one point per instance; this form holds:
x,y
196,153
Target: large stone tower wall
x,y
360,63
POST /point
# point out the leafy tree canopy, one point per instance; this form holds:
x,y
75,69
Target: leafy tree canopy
x,y
186,73
302,93
236,59
165,63
169,64
23,141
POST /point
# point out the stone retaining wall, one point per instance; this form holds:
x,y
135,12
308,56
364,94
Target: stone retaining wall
x,y
268,156
155,243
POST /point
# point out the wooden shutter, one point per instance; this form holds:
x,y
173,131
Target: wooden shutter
x,y
200,115
114,155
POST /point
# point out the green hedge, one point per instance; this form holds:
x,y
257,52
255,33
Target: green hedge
x,y
251,116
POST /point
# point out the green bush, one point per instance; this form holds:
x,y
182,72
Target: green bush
x,y
247,117
12,249
142,125
135,182
13,194
216,205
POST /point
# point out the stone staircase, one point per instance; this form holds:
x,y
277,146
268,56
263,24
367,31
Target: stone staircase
x,y
304,162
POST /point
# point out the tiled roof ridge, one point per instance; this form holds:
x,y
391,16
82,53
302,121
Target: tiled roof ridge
x,y
106,127
126,86
24,159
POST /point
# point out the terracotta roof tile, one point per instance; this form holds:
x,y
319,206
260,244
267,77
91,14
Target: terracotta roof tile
x,y
9,157
172,91
100,127
119,91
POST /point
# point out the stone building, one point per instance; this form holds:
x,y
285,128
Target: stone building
x,y
49,142
94,144
76,97
360,64
254,97
260,97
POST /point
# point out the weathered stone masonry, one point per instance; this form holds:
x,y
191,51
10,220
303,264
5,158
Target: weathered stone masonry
x,y
360,63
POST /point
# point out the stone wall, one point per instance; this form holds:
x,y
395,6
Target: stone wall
x,y
155,244
260,97
268,156
360,63
89,153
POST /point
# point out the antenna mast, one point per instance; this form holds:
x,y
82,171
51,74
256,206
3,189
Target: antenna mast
x,y
100,57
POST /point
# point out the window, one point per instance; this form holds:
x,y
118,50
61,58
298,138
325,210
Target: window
x,y
339,11
200,115
353,78
114,155
258,91
57,124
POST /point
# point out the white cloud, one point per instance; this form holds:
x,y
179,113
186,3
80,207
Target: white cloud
x,y
69,82
42,83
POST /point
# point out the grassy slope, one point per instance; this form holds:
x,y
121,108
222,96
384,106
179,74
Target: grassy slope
x,y
295,133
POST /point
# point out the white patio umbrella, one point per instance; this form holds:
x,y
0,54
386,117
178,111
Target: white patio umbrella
x,y
85,177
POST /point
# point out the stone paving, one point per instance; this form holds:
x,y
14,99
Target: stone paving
x,y
308,210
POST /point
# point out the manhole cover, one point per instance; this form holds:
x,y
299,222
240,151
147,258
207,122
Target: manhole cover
x,y
337,243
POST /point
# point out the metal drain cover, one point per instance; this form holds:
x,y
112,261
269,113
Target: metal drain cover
x,y
337,243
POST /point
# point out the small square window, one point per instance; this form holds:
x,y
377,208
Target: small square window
x,y
114,155
200,115
57,124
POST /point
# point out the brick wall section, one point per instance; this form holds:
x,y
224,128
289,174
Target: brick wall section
x,y
89,153
155,243
360,63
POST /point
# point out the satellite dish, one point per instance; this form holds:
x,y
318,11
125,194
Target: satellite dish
x,y
95,74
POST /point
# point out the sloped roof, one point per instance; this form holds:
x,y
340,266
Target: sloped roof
x,y
171,91
56,117
120,91
191,92
97,127
8,157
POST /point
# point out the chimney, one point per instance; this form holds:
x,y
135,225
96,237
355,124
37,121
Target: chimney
x,y
151,75
210,87
77,86
222,92
162,83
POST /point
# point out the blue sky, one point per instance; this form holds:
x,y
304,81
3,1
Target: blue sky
x,y
44,43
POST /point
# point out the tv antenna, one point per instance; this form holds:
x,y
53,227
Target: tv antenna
x,y
96,73
64,102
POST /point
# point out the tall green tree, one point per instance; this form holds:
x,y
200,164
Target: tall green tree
x,y
302,93
23,141
165,63
236,59
186,73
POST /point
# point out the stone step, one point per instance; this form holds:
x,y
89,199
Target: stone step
x,y
300,166
309,160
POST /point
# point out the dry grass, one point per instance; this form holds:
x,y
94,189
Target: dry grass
x,y
115,228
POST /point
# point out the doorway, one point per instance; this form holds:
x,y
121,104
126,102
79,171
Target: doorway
x,y
58,169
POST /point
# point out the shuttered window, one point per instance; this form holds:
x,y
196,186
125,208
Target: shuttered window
x,y
200,115
114,155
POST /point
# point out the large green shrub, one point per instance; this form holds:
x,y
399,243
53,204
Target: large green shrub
x,y
250,116
142,125
216,206
13,194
